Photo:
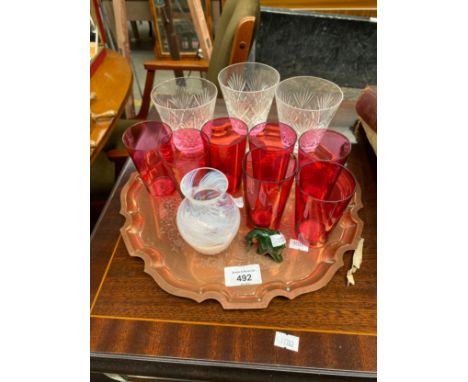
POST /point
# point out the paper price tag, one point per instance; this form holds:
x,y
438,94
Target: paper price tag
x,y
239,202
286,341
277,240
296,244
242,275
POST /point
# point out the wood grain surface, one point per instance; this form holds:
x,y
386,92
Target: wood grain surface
x,y
111,83
138,329
197,65
242,40
321,4
363,8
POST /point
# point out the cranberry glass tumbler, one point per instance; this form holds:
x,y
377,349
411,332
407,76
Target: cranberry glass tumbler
x,y
323,191
278,135
323,144
183,152
265,192
226,139
143,141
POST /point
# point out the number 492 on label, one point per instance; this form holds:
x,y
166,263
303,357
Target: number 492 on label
x,y
242,275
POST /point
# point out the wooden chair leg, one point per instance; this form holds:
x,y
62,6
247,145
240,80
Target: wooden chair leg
x,y
145,102
135,32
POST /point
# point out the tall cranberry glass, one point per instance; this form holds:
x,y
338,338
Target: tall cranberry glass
x,y
226,139
323,144
265,190
183,152
269,134
143,141
323,191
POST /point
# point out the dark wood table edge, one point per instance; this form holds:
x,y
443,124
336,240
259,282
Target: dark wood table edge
x,y
232,325
194,369
117,185
115,189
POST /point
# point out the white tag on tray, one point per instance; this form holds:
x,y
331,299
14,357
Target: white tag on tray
x,y
286,341
242,275
277,240
239,202
296,244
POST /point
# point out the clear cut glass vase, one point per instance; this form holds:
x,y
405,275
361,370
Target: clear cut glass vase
x,y
207,219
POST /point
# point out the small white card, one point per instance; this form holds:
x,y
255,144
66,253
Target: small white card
x,y
239,202
242,275
277,240
287,341
296,244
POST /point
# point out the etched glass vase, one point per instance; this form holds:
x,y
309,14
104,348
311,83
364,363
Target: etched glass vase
x,y
207,219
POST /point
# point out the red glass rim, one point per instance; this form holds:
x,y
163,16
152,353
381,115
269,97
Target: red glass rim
x,y
327,132
174,144
170,140
190,130
291,156
314,163
242,124
144,125
264,125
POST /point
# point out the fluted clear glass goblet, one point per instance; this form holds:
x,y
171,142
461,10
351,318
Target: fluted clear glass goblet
x,y
185,102
248,89
307,102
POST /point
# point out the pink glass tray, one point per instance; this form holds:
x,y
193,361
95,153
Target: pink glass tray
x,y
150,232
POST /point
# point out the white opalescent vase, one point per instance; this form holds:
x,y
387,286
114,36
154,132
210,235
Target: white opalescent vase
x,y
207,219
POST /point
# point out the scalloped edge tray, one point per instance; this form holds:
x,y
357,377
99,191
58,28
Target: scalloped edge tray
x,y
261,300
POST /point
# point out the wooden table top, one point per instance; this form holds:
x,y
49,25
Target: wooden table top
x,y
138,329
111,83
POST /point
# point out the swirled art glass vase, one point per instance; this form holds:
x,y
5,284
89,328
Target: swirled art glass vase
x,y
207,219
